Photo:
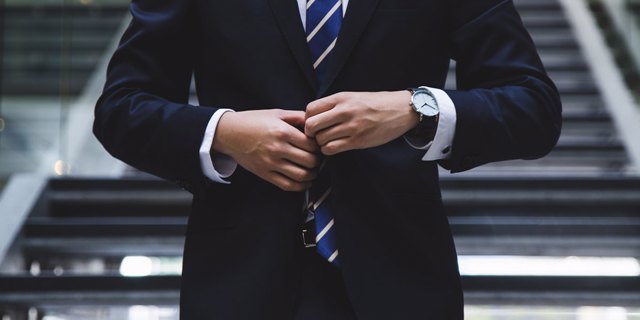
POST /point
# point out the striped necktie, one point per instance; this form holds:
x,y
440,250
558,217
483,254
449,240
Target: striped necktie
x,y
324,18
319,208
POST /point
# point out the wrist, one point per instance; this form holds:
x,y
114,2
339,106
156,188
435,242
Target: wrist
x,y
223,131
411,118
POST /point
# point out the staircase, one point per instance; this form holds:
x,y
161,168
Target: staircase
x,y
49,52
51,49
589,143
581,200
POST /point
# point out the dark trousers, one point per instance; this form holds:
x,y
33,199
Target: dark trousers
x,y
322,293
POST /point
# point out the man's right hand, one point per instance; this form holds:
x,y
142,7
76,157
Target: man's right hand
x,y
269,144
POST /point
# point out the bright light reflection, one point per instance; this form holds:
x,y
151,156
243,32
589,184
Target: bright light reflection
x,y
150,313
136,266
140,266
548,266
595,313
61,168
524,312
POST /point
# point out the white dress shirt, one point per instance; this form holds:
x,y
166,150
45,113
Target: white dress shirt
x,y
219,167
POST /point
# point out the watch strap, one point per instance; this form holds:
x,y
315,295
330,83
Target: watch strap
x,y
425,129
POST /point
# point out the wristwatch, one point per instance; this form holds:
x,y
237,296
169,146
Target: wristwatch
x,y
426,106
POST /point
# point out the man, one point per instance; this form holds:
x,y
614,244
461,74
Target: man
x,y
324,132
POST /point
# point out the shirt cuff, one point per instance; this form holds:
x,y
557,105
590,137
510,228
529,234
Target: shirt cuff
x,y
440,147
217,166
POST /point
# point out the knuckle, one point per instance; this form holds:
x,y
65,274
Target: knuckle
x,y
299,175
328,150
309,126
321,139
272,148
336,147
343,95
312,105
286,185
292,186
309,175
279,133
267,162
346,111
351,126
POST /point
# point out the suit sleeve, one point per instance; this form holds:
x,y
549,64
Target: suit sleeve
x,y
506,105
142,116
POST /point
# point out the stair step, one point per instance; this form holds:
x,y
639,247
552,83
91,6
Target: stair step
x,y
104,227
29,64
543,19
113,289
43,42
535,226
46,43
46,84
551,5
554,39
461,225
77,23
43,10
72,198
111,247
549,246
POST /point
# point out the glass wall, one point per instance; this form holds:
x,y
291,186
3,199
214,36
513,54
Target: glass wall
x,y
51,50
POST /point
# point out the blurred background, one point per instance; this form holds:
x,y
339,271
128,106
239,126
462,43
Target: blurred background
x,y
83,236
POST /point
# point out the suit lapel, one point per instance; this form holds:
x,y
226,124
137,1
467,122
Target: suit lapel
x,y
359,13
288,18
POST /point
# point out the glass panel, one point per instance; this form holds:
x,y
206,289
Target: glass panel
x,y
49,52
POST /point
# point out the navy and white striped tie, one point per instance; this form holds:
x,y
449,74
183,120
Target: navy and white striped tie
x,y
324,19
319,208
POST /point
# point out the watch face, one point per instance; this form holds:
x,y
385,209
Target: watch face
x,y
425,104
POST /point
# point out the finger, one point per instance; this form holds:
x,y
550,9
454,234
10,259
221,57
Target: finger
x,y
309,160
337,146
293,117
336,132
299,140
323,121
295,172
287,184
324,104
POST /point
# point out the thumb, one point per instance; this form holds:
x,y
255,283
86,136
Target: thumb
x,y
293,118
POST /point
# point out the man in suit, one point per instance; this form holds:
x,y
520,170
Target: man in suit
x,y
313,95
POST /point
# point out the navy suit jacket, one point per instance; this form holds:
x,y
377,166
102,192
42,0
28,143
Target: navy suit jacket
x,y
242,257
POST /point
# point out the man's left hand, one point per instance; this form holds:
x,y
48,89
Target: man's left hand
x,y
358,120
